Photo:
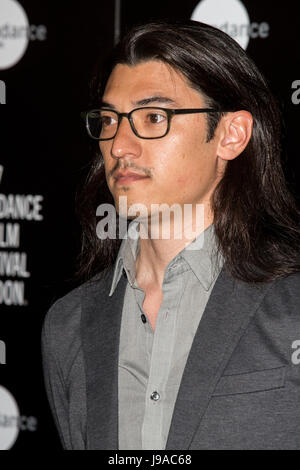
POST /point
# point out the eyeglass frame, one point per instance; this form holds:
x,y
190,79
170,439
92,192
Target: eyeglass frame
x,y
169,111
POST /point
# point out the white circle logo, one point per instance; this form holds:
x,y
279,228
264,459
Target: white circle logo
x,y
230,16
9,419
13,33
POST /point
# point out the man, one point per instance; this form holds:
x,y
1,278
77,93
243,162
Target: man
x,y
189,341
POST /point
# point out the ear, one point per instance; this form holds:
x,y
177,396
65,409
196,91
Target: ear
x,y
234,134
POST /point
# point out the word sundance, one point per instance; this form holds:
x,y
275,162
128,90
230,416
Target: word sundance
x,y
21,207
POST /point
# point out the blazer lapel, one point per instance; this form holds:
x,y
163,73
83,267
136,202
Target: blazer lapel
x,y
228,311
101,321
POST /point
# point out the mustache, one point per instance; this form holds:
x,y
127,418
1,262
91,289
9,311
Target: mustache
x,y
140,170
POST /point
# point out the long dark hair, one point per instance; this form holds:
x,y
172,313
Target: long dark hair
x,y
256,219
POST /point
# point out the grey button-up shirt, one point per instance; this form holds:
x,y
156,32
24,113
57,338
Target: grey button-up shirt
x,y
151,363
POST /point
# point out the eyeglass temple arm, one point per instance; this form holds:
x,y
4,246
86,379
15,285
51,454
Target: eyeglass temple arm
x,y
194,110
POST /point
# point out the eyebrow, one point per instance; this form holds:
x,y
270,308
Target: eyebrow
x,y
144,101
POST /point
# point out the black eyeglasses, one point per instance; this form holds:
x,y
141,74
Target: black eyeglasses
x,y
146,122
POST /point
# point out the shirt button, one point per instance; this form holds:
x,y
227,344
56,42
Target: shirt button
x,y
155,396
144,319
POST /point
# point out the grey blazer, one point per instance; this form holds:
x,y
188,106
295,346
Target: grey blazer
x,y
241,384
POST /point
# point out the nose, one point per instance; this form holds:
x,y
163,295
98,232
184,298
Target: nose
x,y
125,141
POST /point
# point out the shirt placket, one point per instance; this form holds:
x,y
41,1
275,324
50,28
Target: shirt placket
x,y
160,362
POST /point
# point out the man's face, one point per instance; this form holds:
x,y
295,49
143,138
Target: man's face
x,y
181,167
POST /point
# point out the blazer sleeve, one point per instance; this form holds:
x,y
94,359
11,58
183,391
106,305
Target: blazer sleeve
x,y
54,382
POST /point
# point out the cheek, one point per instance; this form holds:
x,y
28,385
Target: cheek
x,y
170,157
109,163
181,180
105,149
173,166
189,170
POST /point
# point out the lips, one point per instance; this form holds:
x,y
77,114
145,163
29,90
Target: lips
x,y
128,177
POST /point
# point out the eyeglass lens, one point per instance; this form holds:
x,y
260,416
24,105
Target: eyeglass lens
x,y
148,123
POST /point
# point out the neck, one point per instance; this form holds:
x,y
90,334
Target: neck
x,y
163,238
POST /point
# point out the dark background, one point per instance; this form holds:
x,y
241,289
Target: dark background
x,y
45,150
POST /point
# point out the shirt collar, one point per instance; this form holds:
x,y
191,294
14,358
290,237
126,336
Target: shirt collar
x,y
201,254
203,257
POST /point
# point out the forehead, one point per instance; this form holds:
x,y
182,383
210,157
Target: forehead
x,y
148,78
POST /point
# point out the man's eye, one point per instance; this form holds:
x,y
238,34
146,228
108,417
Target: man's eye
x,y
107,121
156,118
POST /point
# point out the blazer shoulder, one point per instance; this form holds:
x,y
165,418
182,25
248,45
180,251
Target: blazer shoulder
x,y
284,296
62,323
289,284
67,308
